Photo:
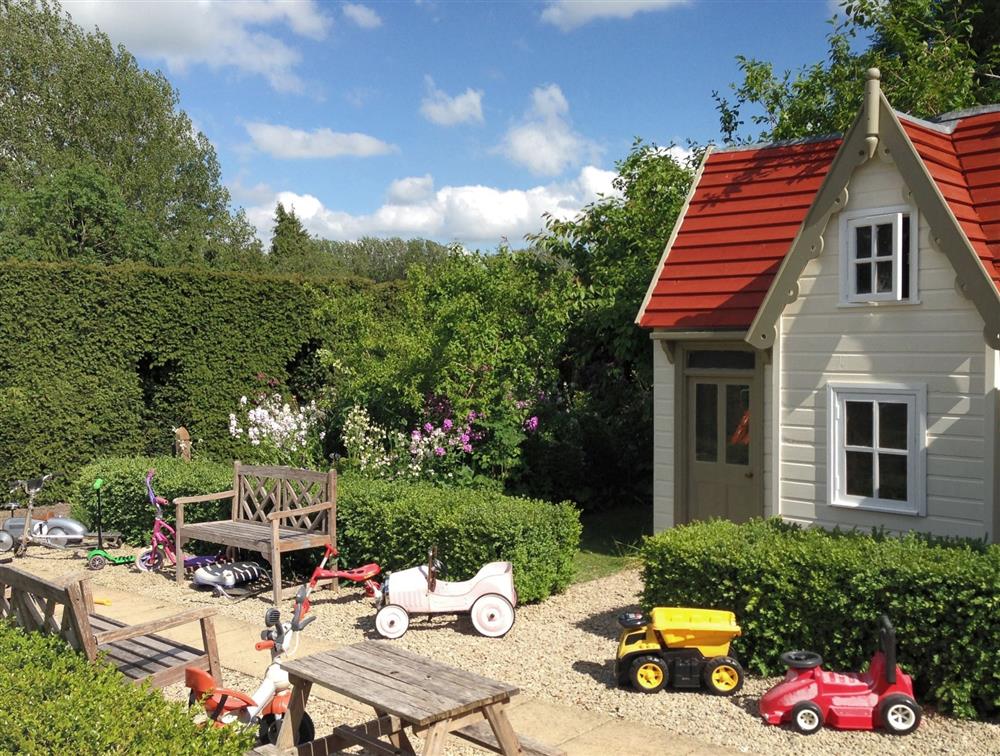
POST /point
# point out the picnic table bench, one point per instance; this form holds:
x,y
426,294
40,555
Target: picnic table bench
x,y
405,690
274,510
65,607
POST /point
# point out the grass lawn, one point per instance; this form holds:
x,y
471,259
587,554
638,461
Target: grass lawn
x,y
610,541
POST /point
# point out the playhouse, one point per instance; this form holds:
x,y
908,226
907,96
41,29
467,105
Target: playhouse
x,y
826,324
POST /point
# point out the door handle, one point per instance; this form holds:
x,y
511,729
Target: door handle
x,y
748,474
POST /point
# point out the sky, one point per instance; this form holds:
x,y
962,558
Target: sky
x,y
453,121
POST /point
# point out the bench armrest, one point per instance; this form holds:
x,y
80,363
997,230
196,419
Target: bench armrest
x,y
299,511
207,497
153,626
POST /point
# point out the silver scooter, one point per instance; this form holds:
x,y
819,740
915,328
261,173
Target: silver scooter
x,y
56,532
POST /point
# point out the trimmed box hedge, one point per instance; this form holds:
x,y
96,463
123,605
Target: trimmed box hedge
x,y
393,523
808,588
54,701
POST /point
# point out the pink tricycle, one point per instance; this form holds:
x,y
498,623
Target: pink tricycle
x,y
161,546
489,597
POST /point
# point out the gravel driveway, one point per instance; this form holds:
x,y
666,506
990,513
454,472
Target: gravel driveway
x,y
563,650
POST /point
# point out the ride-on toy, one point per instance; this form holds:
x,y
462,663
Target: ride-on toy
x,y
810,697
268,705
53,532
98,559
686,648
161,547
365,574
489,597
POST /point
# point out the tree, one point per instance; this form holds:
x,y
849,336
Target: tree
x,y
934,56
293,250
70,98
384,259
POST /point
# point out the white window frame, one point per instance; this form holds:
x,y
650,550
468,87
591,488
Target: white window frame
x,y
915,397
849,221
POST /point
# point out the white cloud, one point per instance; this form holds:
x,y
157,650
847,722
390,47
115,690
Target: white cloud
x,y
362,15
216,34
286,142
472,214
437,107
568,15
544,142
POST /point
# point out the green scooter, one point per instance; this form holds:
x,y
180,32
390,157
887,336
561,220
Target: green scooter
x,y
98,559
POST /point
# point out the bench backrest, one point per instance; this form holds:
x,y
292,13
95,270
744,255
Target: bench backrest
x,y
261,490
33,603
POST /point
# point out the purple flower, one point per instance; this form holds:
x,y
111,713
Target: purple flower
x,y
439,451
521,404
471,416
447,424
464,438
467,447
531,424
415,435
429,427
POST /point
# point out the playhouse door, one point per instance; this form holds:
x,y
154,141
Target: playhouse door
x,y
721,474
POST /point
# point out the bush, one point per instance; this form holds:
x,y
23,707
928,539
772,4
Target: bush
x,y
393,523
54,701
807,588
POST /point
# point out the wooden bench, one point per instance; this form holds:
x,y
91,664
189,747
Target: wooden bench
x,y
274,510
65,608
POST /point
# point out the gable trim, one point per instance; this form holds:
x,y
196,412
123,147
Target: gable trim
x,y
894,145
673,235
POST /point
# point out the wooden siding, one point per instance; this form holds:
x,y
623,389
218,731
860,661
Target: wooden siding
x,y
938,342
663,439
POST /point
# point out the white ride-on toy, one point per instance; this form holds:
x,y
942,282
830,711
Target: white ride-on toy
x,y
489,597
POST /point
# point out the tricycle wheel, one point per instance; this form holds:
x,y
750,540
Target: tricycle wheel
x,y
149,561
807,717
271,725
648,674
801,659
899,714
392,621
492,615
723,676
97,562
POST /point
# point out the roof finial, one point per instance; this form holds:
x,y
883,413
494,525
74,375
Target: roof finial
x,y
871,110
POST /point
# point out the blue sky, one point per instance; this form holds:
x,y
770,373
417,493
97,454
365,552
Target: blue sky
x,y
456,121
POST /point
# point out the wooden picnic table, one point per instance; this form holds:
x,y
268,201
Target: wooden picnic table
x,y
405,690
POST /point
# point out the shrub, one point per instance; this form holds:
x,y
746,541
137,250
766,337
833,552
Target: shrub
x,y
393,523
54,701
807,588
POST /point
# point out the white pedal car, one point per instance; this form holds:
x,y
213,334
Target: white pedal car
x,y
489,598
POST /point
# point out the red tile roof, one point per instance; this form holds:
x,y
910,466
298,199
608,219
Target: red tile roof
x,y
749,203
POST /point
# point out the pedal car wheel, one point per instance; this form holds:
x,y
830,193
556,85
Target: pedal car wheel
x,y
492,615
807,717
270,726
899,714
801,659
149,561
723,676
97,562
392,621
6,541
648,674
57,538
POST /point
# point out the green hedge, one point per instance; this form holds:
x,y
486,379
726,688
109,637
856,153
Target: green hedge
x,y
391,523
112,358
56,702
807,588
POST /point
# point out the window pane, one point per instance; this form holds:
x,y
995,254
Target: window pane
x,y
883,242
892,430
859,424
863,278
883,277
863,241
738,424
906,257
706,441
892,476
729,359
859,473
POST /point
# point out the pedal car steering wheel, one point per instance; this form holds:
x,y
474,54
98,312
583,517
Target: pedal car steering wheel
x,y
801,659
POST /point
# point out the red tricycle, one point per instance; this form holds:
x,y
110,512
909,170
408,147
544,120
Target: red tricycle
x,y
810,697
365,574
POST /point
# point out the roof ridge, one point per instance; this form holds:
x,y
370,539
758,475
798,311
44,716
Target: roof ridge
x,y
958,115
779,143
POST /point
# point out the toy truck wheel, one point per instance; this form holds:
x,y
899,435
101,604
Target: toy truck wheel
x,y
899,714
97,562
392,621
492,615
723,676
807,717
648,674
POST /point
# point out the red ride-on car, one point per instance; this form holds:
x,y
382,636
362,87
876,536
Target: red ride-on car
x,y
810,697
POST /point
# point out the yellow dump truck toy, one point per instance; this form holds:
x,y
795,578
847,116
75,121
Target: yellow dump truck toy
x,y
685,648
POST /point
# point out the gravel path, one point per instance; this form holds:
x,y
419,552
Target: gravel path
x,y
563,651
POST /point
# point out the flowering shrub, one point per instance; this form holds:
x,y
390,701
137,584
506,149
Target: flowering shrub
x,y
279,431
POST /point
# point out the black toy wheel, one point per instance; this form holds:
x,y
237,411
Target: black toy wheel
x,y
899,714
270,726
801,659
648,674
97,562
722,676
807,717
